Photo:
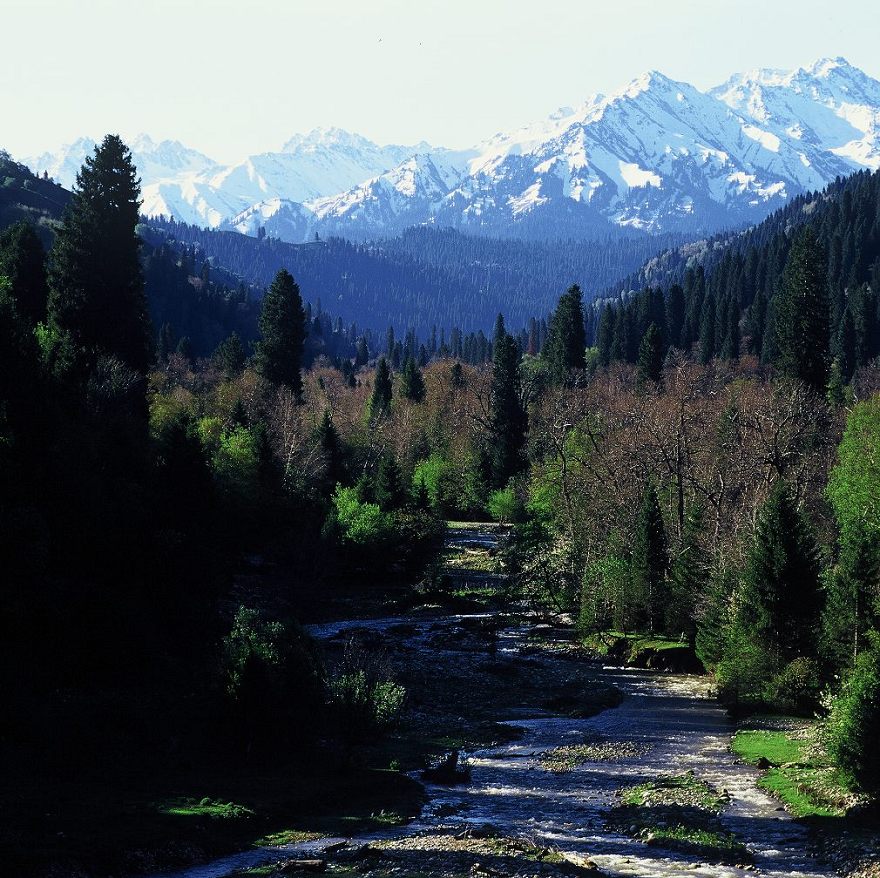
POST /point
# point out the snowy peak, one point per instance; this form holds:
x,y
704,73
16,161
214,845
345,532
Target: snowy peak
x,y
830,110
656,154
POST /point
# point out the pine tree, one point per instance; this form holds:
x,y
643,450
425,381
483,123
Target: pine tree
x,y
23,263
331,449
780,597
507,419
650,561
566,344
605,336
730,348
96,287
650,364
675,315
412,383
846,345
389,489
801,313
282,327
707,329
165,343
380,401
689,574
230,356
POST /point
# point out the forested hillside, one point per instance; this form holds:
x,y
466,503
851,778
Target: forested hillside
x,y
427,278
723,296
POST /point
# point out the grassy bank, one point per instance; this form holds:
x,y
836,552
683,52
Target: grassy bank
x,y
644,651
798,770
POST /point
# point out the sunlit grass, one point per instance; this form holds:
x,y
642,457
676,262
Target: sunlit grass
x,y
205,808
800,776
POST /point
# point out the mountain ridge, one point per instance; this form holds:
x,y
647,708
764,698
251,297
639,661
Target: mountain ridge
x,y
656,155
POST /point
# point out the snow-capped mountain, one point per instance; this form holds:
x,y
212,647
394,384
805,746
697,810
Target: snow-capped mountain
x,y
657,155
166,160
830,109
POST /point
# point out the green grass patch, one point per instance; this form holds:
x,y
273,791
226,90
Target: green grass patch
x,y
205,807
751,745
800,775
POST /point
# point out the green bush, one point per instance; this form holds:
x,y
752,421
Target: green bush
x,y
854,724
272,680
744,670
796,688
505,506
364,701
360,523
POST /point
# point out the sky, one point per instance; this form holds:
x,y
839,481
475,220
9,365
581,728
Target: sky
x,y
235,77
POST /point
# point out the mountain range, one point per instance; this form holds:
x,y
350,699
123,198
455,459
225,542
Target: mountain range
x,y
658,155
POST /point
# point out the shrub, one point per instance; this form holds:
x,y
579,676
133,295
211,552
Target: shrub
x,y
854,724
360,522
796,688
364,700
505,506
272,680
744,670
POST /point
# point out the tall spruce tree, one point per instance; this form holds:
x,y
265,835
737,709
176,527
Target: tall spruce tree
x,y
97,305
707,329
412,382
650,561
801,313
23,263
331,449
282,327
566,344
507,419
650,363
780,597
380,400
689,574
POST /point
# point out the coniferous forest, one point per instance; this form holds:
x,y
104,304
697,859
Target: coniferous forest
x,y
198,462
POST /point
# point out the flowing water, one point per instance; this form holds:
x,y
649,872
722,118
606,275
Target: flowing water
x,y
671,722
674,725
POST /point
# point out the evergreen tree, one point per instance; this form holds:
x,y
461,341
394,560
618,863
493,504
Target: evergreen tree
x,y
605,336
380,401
675,315
389,490
23,263
282,327
165,343
456,375
689,574
801,313
780,597
650,561
412,383
96,300
707,329
331,449
566,344
846,345
730,348
507,418
499,328
230,356
650,364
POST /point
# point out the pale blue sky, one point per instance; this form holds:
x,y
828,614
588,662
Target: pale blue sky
x,y
231,77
